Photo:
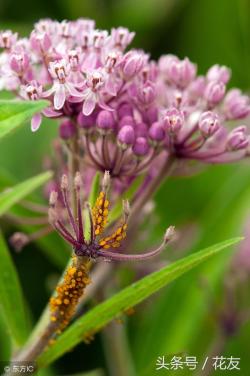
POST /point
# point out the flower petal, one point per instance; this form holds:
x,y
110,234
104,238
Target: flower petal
x,y
89,104
36,122
59,97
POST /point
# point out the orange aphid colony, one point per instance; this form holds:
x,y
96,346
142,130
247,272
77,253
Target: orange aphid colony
x,y
68,293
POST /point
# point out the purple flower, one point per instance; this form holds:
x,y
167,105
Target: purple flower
x,y
92,94
121,100
209,123
219,73
62,88
238,139
236,105
214,92
7,39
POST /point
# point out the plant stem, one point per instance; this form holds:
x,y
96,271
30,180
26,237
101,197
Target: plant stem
x,y
117,351
152,187
34,348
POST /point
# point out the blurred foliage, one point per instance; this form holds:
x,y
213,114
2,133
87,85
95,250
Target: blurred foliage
x,y
216,200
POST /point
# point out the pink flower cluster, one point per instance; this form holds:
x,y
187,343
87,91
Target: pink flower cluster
x,y
129,108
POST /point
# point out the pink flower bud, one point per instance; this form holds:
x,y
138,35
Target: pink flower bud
x,y
219,73
178,72
40,42
105,120
236,105
157,132
146,94
121,37
7,39
173,120
209,123
237,139
126,136
141,130
125,110
132,63
66,129
126,120
141,146
214,92
19,62
86,121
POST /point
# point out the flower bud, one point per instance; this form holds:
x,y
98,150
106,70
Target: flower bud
x,y
19,240
126,136
219,73
140,147
146,94
178,72
85,122
236,105
106,181
214,92
237,139
121,37
19,62
132,63
141,129
208,123
125,110
126,120
67,130
53,198
40,42
173,120
157,132
7,39
169,234
105,120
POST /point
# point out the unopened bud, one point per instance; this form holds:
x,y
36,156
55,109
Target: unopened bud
x,y
209,123
64,182
77,180
126,208
106,181
126,136
19,240
53,216
53,199
169,234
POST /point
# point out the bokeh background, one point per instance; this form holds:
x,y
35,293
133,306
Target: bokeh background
x,y
207,206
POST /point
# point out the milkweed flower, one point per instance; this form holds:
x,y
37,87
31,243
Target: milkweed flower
x,y
128,110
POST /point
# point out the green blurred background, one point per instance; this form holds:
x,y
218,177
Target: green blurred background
x,y
211,205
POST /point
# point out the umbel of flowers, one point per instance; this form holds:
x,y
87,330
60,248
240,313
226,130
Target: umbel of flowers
x,y
125,111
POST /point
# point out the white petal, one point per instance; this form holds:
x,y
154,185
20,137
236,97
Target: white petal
x,y
89,104
59,97
36,122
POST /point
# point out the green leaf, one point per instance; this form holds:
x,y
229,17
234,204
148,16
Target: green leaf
x,y
102,314
11,298
11,196
14,113
116,211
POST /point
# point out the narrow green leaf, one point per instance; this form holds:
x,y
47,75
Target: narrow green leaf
x,y
11,299
92,198
11,196
102,314
14,113
116,211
